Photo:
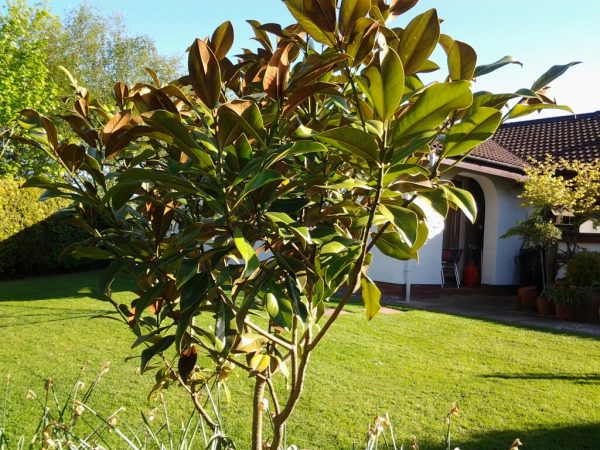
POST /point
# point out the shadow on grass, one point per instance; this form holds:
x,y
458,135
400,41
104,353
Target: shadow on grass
x,y
566,437
44,314
592,378
72,285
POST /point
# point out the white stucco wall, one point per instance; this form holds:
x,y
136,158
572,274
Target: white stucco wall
x,y
502,211
425,271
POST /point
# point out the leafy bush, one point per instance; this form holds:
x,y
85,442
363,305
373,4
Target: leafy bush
x,y
583,269
568,296
32,235
535,232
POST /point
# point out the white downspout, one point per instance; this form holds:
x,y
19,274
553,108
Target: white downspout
x,y
407,281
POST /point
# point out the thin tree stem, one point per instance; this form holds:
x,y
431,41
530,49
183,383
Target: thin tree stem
x,y
257,414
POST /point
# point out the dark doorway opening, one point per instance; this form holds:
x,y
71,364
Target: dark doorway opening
x,y
462,235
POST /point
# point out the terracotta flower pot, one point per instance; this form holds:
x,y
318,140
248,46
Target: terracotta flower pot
x,y
528,296
545,307
566,312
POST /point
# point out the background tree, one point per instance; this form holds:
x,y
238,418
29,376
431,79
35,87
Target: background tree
x,y
25,80
561,186
243,197
96,49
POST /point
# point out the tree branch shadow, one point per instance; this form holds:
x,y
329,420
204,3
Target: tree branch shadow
x,y
590,378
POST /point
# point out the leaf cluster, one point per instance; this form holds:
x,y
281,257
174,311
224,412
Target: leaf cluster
x,y
569,185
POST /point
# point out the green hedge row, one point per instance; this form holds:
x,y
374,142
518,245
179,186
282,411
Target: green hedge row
x,y
583,269
31,235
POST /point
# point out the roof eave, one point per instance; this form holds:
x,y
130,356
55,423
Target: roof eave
x,y
488,167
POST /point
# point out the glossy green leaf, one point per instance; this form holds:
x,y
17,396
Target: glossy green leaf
x,y
193,290
291,224
392,245
301,94
276,75
299,148
551,74
247,251
418,40
350,12
174,182
81,252
521,110
488,68
187,269
386,84
353,141
205,73
422,236
148,297
260,180
249,343
472,131
31,122
108,275
171,126
362,40
497,101
431,110
427,66
462,60
222,40
239,117
259,362
371,295
260,35
296,8
155,349
404,220
322,12
437,199
398,7
463,200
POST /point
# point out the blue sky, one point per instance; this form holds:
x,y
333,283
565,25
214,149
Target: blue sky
x,y
539,33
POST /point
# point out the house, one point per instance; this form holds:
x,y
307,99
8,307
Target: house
x,y
492,173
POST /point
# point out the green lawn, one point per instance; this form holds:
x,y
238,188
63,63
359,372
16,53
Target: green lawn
x,y
509,382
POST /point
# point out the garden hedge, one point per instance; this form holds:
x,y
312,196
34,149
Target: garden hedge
x,y
32,236
583,269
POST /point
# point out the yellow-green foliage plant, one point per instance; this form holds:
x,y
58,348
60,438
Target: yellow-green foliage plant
x,y
565,186
21,208
32,236
245,195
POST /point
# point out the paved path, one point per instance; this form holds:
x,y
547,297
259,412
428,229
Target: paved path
x,y
498,309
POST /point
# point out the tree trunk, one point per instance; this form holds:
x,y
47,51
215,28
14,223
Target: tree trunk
x,y
257,414
278,433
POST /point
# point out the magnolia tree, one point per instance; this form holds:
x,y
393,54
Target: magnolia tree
x,y
246,195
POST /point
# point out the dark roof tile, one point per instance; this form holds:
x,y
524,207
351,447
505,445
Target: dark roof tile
x,y
494,152
570,137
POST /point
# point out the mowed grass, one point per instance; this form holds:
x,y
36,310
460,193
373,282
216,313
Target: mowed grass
x,y
509,382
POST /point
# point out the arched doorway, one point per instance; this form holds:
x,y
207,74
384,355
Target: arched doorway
x,y
463,237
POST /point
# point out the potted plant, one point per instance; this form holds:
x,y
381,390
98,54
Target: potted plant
x,y
545,306
583,271
527,297
566,301
538,236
